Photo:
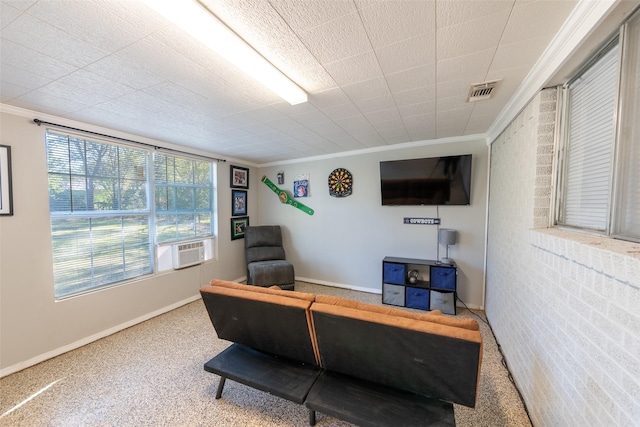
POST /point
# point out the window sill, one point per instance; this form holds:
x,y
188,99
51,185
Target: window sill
x,y
615,258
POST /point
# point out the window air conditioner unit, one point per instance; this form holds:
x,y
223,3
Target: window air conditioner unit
x,y
187,254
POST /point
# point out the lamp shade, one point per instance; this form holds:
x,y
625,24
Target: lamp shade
x,y
447,236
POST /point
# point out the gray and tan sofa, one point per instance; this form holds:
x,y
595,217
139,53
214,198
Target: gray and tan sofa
x,y
366,364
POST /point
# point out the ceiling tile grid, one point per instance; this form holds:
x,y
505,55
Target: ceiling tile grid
x,y
377,72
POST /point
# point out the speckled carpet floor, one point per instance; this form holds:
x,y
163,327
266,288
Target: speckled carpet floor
x,y
152,375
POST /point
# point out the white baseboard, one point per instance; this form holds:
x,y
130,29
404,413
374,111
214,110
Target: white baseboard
x,y
340,285
95,337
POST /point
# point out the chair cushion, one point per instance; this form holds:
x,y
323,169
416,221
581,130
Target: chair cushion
x,y
263,243
264,253
262,273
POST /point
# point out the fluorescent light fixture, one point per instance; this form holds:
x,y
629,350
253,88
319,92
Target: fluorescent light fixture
x,y
196,20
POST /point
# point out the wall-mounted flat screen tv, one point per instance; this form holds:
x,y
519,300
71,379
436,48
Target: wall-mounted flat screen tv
x,y
430,181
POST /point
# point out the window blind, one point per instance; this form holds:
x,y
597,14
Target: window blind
x,y
99,213
591,132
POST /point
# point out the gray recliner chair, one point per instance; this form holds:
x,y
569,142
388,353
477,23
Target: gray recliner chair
x,y
266,263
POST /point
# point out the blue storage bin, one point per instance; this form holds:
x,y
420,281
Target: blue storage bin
x,y
417,298
394,273
443,278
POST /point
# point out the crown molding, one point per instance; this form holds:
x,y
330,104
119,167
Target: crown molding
x,y
582,21
392,147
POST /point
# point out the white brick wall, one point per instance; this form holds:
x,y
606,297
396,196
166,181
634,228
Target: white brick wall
x,y
564,306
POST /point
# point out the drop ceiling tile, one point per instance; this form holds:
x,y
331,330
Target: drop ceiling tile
x,y
48,102
122,71
354,69
471,68
375,104
86,80
454,88
355,124
390,114
178,95
294,110
328,98
63,90
342,111
285,125
32,61
7,14
415,96
95,27
471,36
32,33
407,54
395,136
341,38
369,138
424,124
373,88
417,109
411,78
454,102
389,22
521,53
9,91
303,15
136,13
524,20
263,114
452,122
449,13
22,78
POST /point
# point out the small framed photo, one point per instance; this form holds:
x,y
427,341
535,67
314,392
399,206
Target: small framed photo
x,y
238,226
6,196
238,202
239,177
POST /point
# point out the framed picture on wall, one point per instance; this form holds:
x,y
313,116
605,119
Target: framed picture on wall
x,y
238,226
238,202
6,196
239,177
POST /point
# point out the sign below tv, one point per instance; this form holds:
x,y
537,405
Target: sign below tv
x,y
429,181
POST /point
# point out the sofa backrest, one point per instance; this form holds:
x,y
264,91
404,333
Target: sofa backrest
x,y
420,356
263,319
263,243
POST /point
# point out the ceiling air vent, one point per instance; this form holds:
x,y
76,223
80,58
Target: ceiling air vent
x,y
480,91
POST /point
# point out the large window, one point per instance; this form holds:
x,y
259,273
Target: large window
x,y
600,162
104,225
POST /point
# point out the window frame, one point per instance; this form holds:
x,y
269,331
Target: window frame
x,y
149,212
617,145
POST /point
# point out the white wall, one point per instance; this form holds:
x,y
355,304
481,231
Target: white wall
x,y
33,326
344,242
563,305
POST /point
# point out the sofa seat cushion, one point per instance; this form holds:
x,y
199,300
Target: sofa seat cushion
x,y
265,320
434,316
419,356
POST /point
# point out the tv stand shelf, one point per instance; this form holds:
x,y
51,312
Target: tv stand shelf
x,y
433,289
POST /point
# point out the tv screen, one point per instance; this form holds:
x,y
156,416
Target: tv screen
x,y
429,181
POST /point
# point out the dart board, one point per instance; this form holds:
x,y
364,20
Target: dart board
x,y
340,183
